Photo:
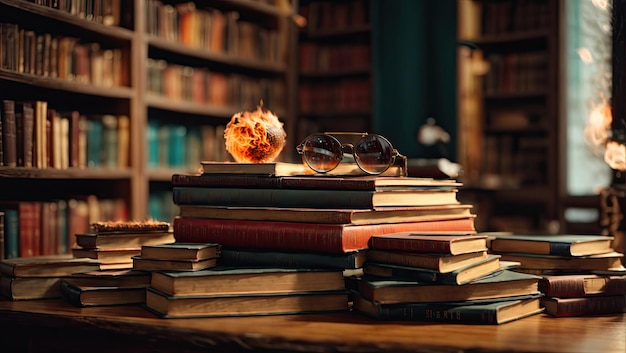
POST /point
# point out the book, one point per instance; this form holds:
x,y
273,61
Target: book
x,y
500,284
26,288
122,240
107,255
84,296
286,169
454,244
598,305
111,278
296,236
308,182
180,251
245,304
459,276
9,133
606,261
487,312
47,266
583,285
320,215
312,198
235,280
290,259
139,263
564,244
439,262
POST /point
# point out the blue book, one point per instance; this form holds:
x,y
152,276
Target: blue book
x,y
176,146
11,233
547,244
94,143
152,138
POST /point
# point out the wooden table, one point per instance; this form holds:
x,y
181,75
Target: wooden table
x,y
55,326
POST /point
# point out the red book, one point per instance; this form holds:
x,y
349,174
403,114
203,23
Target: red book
x,y
562,307
572,286
453,244
29,218
320,237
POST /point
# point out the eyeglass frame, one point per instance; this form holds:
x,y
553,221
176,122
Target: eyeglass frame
x,y
396,157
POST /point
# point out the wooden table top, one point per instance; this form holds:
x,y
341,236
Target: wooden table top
x,y
343,332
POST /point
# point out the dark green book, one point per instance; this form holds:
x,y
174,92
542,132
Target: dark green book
x,y
222,280
84,296
560,244
462,275
485,312
499,284
290,259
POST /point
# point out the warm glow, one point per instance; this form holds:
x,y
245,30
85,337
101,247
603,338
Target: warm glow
x,y
598,127
254,137
585,55
615,155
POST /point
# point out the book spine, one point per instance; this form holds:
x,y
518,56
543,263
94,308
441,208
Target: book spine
x,y
71,294
220,180
2,240
273,197
560,249
11,233
574,287
586,306
327,238
9,133
437,313
404,274
417,245
286,259
401,259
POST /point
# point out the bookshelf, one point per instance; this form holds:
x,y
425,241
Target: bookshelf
x,y
508,115
133,91
334,67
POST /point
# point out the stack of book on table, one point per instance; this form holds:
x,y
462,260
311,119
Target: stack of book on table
x,y
582,274
112,245
442,278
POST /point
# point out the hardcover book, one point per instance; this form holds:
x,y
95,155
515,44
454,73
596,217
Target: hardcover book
x,y
583,285
606,261
108,255
438,262
561,307
139,263
180,251
296,236
122,240
454,244
245,304
312,198
290,259
459,276
84,296
500,284
25,288
286,169
228,280
47,266
111,278
474,312
562,245
322,215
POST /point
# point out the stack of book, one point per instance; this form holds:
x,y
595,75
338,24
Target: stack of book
x,y
442,278
582,274
113,244
39,277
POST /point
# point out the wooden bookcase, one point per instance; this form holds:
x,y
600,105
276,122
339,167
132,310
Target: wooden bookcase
x,y
147,81
508,124
334,67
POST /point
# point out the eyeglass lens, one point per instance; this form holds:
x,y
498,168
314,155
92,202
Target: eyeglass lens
x,y
373,153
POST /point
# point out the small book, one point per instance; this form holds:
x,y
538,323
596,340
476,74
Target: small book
x,y
180,251
107,255
438,262
25,288
605,261
122,240
139,263
83,296
438,244
111,278
167,306
233,280
500,284
474,312
459,276
561,307
561,245
290,259
582,285
47,266
102,227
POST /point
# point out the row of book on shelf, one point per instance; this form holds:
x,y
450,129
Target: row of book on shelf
x,y
106,12
402,248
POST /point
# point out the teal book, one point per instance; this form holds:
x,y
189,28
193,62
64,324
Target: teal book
x,y
474,312
465,274
222,280
11,233
176,146
499,284
110,140
94,143
290,259
560,244
152,138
